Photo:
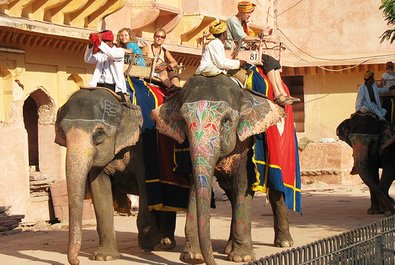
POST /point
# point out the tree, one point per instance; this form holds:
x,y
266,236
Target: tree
x,y
388,7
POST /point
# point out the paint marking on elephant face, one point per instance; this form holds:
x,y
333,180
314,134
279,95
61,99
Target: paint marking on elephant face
x,y
109,109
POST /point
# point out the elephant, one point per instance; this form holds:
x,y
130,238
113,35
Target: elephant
x,y
372,141
219,119
104,156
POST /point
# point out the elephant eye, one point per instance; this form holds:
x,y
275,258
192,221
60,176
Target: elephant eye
x,y
99,136
226,120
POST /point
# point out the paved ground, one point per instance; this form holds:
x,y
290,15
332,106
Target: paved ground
x,y
327,211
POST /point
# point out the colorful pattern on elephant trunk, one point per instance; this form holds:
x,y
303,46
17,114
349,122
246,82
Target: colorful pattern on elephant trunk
x,y
203,119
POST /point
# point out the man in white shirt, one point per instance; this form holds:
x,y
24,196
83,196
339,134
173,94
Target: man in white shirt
x,y
368,99
213,60
109,62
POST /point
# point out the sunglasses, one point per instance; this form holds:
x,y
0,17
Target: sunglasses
x,y
160,36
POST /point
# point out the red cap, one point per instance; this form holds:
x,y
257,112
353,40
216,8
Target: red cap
x,y
107,35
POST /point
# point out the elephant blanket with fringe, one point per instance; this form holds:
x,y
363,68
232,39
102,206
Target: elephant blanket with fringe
x,y
276,156
167,178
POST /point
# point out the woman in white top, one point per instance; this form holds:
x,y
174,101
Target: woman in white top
x,y
165,62
213,60
388,78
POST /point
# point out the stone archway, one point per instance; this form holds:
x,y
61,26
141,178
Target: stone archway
x,y
30,120
39,118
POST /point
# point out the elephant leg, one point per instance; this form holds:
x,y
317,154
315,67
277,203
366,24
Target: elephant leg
x,y
374,201
388,174
166,221
242,250
385,183
368,175
282,236
229,245
102,201
191,253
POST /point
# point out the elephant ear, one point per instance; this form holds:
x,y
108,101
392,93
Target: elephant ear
x,y
343,131
168,119
257,113
129,127
60,138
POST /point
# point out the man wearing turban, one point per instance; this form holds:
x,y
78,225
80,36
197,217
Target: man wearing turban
x,y
368,99
109,61
239,31
213,60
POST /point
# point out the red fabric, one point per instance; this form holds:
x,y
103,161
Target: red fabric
x,y
281,147
107,35
287,146
158,92
94,40
245,27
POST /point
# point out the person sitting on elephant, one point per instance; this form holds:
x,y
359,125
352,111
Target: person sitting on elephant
x,y
388,78
213,60
238,30
165,62
368,99
109,62
126,39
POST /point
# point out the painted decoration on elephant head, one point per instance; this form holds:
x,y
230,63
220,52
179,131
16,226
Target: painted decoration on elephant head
x,y
203,119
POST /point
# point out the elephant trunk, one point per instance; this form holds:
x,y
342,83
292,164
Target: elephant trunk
x,y
203,172
79,159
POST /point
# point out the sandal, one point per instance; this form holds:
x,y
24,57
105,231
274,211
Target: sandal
x,y
294,100
283,101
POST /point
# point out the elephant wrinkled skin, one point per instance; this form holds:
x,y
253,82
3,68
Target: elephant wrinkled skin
x,y
104,153
373,144
219,119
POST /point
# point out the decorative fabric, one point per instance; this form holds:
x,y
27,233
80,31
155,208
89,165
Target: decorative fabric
x,y
167,178
276,156
217,27
246,7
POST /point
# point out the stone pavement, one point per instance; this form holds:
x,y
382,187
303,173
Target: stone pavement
x,y
328,210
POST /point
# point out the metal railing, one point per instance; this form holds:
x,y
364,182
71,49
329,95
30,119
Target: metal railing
x,y
372,244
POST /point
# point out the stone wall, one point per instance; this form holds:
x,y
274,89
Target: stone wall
x,y
327,162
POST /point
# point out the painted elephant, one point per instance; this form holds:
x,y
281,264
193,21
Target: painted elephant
x,y
104,155
372,141
219,119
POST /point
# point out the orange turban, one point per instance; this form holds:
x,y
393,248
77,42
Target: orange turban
x,y
246,7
